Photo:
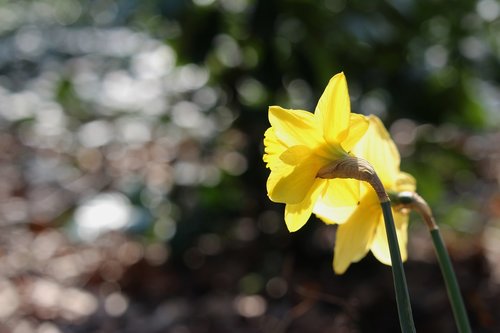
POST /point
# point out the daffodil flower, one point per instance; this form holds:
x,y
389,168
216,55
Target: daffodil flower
x,y
363,229
299,143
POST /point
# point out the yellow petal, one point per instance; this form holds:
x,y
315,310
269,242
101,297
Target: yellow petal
x,y
355,236
296,215
358,125
295,127
338,201
377,147
293,175
333,215
273,149
380,246
405,182
333,110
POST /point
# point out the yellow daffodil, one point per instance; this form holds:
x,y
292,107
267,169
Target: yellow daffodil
x,y
363,229
299,143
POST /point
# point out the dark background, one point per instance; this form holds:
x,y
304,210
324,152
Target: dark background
x,y
132,187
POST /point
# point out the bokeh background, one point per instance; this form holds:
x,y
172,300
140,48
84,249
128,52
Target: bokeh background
x,y
132,188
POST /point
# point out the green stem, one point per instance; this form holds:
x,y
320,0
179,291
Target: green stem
x,y
360,169
400,286
416,202
457,303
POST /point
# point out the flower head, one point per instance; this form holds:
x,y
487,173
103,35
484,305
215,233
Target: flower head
x,y
299,143
363,229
